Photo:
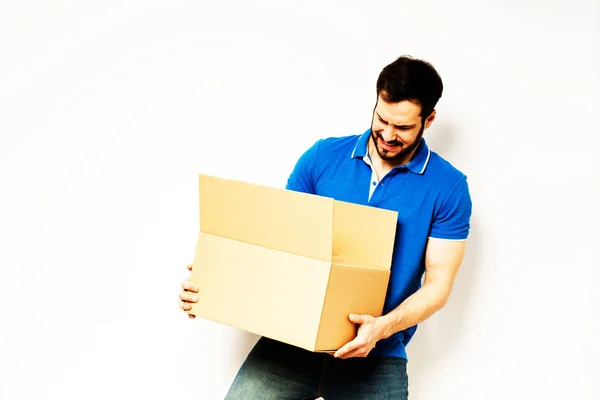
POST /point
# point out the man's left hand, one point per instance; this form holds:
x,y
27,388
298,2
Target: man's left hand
x,y
370,331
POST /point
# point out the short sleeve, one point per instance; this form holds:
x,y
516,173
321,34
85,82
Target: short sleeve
x,y
302,177
453,219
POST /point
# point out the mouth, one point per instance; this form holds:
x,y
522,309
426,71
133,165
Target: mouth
x,y
388,146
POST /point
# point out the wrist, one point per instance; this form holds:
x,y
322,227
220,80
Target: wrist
x,y
386,326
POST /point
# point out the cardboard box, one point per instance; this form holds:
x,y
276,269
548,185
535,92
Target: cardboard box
x,y
290,266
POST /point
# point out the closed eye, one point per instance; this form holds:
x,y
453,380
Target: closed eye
x,y
399,127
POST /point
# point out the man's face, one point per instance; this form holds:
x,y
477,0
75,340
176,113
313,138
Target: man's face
x,y
397,128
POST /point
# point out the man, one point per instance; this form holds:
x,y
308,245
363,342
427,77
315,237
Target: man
x,y
388,166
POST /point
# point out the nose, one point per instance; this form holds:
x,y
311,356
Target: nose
x,y
387,134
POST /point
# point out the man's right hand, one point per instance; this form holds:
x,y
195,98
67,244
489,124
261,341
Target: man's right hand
x,y
188,295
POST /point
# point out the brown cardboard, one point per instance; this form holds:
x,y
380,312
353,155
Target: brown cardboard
x,y
287,265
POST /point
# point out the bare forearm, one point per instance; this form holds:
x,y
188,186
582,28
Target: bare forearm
x,y
415,309
442,260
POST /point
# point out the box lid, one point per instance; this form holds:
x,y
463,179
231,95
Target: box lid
x,y
303,224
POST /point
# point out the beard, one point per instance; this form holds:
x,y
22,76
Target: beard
x,y
403,149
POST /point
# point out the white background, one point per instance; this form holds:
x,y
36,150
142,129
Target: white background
x,y
109,110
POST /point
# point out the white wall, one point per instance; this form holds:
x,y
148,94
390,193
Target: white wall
x,y
108,112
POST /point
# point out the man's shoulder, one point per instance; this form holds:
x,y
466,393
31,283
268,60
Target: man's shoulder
x,y
330,147
322,154
334,143
439,165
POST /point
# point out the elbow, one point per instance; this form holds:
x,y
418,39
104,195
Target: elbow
x,y
442,303
443,296
439,293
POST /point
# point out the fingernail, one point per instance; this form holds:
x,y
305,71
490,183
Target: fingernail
x,y
194,288
194,298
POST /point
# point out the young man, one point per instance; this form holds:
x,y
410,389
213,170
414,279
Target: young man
x,y
388,166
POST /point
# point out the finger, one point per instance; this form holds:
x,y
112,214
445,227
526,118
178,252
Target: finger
x,y
358,319
189,267
189,297
185,306
347,348
351,346
357,353
187,285
191,316
356,350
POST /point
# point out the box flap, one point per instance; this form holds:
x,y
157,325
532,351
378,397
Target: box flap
x,y
284,220
363,236
350,290
275,294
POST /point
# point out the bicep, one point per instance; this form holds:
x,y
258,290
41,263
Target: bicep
x,y
442,261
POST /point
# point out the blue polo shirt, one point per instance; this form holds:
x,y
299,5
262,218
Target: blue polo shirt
x,y
430,195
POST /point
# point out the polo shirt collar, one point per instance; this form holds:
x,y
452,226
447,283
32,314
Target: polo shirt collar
x,y
416,165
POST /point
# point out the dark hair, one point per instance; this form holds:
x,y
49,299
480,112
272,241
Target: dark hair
x,y
410,79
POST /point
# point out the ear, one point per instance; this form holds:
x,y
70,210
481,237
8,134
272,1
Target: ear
x,y
430,119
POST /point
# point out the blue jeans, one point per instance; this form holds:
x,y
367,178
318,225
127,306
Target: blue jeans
x,y
274,370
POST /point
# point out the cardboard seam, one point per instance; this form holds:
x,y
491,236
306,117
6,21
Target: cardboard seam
x,y
267,247
327,287
323,306
361,266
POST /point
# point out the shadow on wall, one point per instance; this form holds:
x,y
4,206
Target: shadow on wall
x,y
445,330
440,138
